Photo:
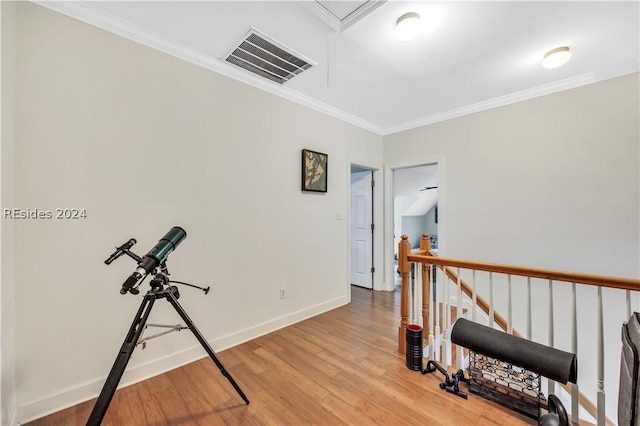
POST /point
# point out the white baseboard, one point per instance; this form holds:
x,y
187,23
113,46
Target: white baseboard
x,y
82,392
14,418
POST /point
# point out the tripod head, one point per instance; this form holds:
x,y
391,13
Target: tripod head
x,y
161,281
149,263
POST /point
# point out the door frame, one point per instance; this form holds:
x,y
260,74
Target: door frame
x,y
378,235
361,188
389,260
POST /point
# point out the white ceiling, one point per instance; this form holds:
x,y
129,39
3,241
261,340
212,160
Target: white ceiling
x,y
470,56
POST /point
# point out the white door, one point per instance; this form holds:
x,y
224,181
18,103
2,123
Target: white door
x,y
362,229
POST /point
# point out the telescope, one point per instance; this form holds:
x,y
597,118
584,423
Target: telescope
x,y
153,263
156,256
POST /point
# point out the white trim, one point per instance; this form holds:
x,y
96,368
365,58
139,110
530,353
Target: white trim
x,y
86,13
82,392
511,98
378,236
545,89
388,210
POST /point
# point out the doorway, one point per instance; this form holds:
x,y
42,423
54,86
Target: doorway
x,y
373,267
362,227
414,208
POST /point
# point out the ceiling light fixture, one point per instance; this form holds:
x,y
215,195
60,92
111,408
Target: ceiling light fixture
x,y
556,57
408,26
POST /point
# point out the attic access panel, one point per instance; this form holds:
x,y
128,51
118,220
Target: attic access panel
x,y
340,15
267,58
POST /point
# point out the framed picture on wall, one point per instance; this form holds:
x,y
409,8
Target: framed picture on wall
x,y
314,171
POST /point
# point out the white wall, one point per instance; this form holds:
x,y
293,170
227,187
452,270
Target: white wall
x,y
554,178
551,182
143,142
7,286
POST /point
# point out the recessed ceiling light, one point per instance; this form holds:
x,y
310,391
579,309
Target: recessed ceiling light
x,y
408,26
556,57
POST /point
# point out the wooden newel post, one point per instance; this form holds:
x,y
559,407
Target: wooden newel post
x,y
425,245
404,248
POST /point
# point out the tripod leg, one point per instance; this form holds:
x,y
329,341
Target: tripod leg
x,y
204,344
109,388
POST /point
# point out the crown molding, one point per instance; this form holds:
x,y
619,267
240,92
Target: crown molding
x,y
88,14
535,92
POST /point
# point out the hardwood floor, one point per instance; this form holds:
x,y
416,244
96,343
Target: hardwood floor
x,y
340,367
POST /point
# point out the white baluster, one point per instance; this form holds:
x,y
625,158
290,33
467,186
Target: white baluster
x,y
438,332
417,291
474,302
447,330
628,296
491,299
529,308
412,293
600,360
509,307
433,308
551,383
458,315
575,399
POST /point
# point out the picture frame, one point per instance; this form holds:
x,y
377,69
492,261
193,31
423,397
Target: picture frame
x,y
314,171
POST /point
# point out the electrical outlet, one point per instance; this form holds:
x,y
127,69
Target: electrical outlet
x,y
282,293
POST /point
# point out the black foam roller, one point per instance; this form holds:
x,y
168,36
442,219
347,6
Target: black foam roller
x,y
414,347
549,362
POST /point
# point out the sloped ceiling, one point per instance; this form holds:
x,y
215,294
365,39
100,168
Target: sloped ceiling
x,y
409,184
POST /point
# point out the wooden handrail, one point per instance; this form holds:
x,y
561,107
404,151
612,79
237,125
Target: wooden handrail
x,y
572,277
481,302
426,256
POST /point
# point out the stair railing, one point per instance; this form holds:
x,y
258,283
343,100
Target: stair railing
x,y
438,326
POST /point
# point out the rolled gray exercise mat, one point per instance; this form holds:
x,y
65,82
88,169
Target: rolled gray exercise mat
x,y
549,362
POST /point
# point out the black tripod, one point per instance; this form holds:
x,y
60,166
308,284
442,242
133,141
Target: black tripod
x,y
160,289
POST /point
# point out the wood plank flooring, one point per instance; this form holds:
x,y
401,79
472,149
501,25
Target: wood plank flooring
x,y
341,367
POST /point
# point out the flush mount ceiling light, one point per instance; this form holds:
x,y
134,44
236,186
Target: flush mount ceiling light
x,y
556,57
408,26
